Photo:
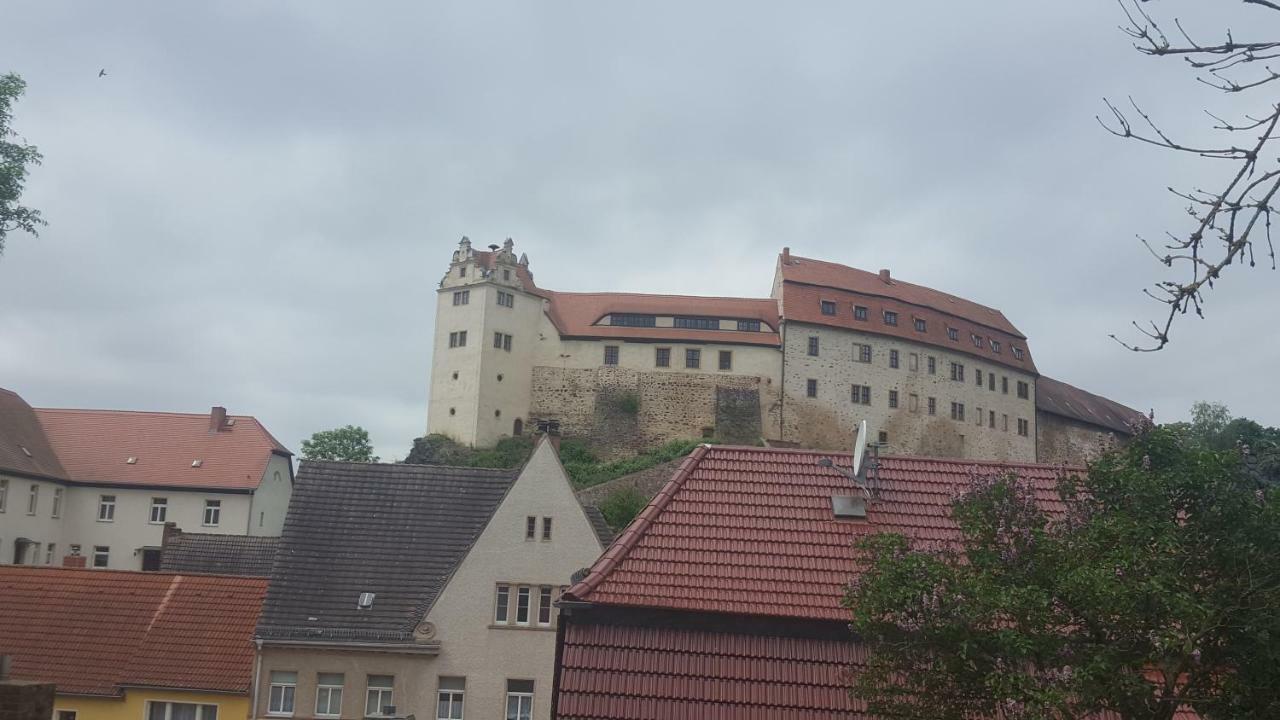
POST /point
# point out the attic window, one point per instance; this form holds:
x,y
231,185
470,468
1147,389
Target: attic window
x,y
365,601
197,463
131,460
230,421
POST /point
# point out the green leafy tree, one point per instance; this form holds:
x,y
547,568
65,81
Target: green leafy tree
x,y
1154,584
622,506
349,444
15,159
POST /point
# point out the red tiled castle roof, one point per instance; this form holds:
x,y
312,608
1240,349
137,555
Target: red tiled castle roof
x,y
575,315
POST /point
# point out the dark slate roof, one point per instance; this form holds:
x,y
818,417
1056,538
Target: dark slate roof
x,y
218,554
397,531
24,447
1059,398
599,524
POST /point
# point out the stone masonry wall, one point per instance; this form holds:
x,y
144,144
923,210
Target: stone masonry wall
x,y
26,701
1061,440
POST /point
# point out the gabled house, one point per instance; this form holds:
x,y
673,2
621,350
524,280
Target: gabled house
x,y
96,487
132,645
416,590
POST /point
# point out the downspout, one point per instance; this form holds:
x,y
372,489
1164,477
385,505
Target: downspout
x,y
257,676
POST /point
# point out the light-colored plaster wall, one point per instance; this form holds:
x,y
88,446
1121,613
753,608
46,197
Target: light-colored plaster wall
x,y
270,501
455,371
414,679
41,528
830,419
506,374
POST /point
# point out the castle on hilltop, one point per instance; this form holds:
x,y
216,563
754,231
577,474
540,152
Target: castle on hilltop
x,y
931,373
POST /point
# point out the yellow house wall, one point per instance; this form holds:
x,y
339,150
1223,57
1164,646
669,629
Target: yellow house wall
x,y
133,706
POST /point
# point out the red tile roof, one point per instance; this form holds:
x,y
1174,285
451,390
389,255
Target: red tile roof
x,y
576,315
94,446
807,282
751,531
94,632
24,447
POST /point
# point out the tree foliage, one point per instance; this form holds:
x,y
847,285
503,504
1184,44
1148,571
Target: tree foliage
x,y
16,158
349,444
1156,584
437,449
622,506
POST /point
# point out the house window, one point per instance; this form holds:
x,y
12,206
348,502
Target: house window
x,y
913,362
212,512
522,605
458,339
546,528
57,503
811,387
65,715
991,381
328,694
726,360
101,555
977,374
1024,390
859,312
378,695
159,510
1024,427
506,299
828,307
1004,384
863,352
462,271
610,354
957,372
544,605
696,323
462,297
995,346
1017,352
957,411
530,527
49,553
1005,421
991,419
33,499
449,698
893,359
933,406
692,358
921,325
861,394
977,340
749,325
913,402
177,711
506,274
890,317
4,492
933,365
979,416
519,700
882,437
632,320
283,687
893,398
504,601
502,341
813,346
106,508
953,334
662,357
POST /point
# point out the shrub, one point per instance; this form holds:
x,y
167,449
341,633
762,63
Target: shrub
x,y
442,450
622,506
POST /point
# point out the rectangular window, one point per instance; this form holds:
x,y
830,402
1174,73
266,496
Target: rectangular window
x,y
519,700
449,698
65,715
33,499
497,340
522,605
506,343
957,411
462,297
175,711
861,394
1017,352
49,553
212,512
506,299
610,354
991,381
1005,421
633,320
893,398
458,339
696,323
890,317
1024,390
1024,427
101,556
813,346
811,387
995,346
953,334
4,492
977,374
502,341
977,340
863,352
957,372
692,358
503,603
913,362
57,503
378,696
462,271
933,365
913,402
544,605
506,274
828,307
329,694
979,416
106,508
893,359
859,312
991,419
546,528
662,357
749,325
159,510
933,406
530,527
921,326
282,693
1004,384
726,360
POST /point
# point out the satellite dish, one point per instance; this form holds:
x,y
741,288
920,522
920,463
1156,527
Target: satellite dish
x,y
859,448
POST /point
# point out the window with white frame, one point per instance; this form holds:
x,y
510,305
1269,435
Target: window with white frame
x,y
449,698
101,555
49,553
280,697
57,503
212,512
4,492
544,605
519,699
159,510
329,694
106,508
378,695
33,499
523,594
502,605
180,711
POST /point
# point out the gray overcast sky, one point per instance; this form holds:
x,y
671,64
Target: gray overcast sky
x,y
254,206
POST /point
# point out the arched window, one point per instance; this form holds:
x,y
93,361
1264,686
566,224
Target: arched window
x,y
517,427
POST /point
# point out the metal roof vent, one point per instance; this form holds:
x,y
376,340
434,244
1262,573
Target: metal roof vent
x,y
365,601
197,463
131,460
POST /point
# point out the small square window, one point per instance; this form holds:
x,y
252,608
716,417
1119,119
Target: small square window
x,y
890,317
610,354
977,340
995,346
462,297
828,307
921,325
859,312
692,358
101,556
864,353
1017,352
861,395
813,346
882,437
811,387
953,334
662,357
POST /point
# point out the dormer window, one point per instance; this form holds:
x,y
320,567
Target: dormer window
x,y
749,325
977,340
890,317
1017,352
696,323
859,312
632,320
921,325
995,346
828,307
953,334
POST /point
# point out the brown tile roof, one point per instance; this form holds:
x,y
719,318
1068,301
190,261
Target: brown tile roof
x,y
24,447
94,446
807,282
93,632
1059,398
213,554
575,315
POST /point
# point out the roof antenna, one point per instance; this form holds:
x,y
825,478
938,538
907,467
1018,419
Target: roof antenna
x,y
859,474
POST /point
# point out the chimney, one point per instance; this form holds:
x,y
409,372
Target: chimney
x,y
74,561
884,276
217,418
786,256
